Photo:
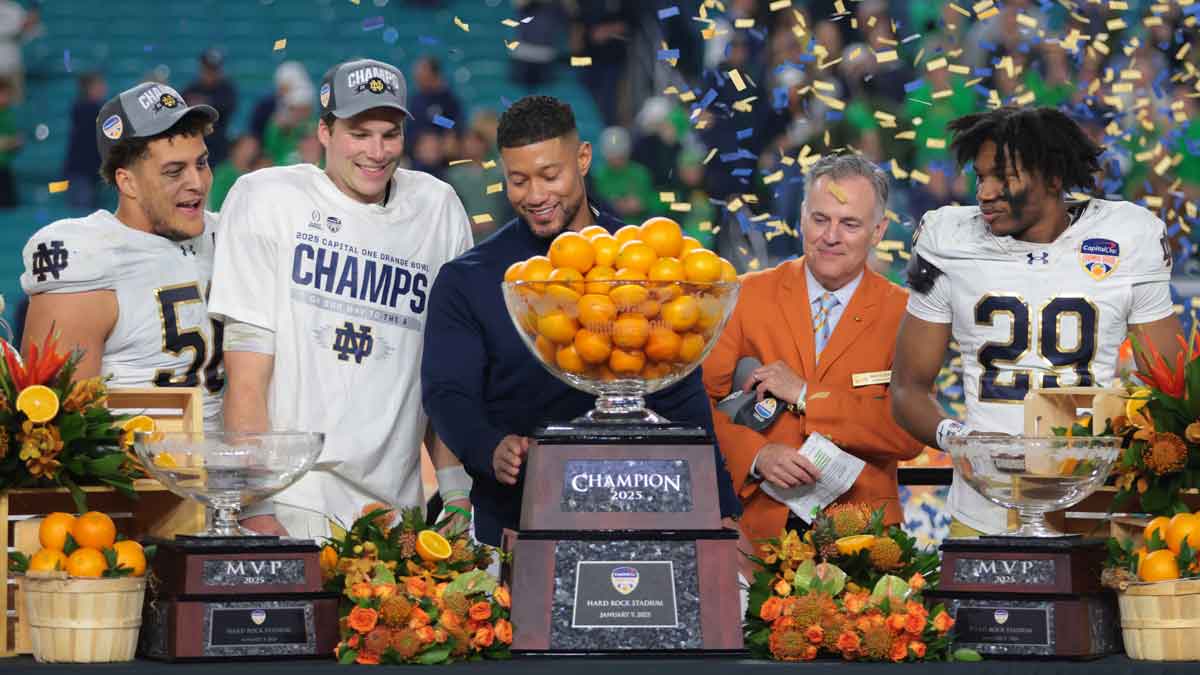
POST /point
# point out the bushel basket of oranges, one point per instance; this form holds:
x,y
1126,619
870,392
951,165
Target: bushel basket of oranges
x,y
83,591
621,315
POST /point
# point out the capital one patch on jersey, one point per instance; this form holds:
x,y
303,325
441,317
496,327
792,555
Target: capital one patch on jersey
x,y
1099,257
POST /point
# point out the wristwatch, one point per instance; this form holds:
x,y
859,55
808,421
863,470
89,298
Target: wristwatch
x,y
797,408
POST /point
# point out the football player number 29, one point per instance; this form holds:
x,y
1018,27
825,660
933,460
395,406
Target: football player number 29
x,y
177,340
1011,385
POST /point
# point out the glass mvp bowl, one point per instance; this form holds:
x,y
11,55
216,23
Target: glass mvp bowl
x,y
227,470
1034,474
620,340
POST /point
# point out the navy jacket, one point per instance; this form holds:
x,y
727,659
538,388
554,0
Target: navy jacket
x,y
480,383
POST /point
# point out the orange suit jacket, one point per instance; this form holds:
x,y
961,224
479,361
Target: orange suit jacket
x,y
772,321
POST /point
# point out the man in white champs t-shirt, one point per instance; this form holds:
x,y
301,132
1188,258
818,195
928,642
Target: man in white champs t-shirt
x,y
323,280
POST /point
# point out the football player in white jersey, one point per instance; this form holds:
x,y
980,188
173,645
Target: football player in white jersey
x,y
129,287
323,279
1038,290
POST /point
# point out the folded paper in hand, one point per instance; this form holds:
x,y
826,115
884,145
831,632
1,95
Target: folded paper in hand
x,y
839,469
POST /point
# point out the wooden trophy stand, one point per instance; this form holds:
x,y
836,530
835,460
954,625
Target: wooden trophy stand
x,y
1031,596
621,548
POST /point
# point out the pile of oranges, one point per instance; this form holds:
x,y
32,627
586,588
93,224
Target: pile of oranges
x,y
1158,559
642,302
86,546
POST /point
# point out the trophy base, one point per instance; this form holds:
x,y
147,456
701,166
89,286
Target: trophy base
x,y
601,432
1080,627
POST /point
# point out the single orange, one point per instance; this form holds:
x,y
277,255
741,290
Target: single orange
x,y
537,268
52,533
711,310
593,231
649,308
571,278
636,255
606,247
571,249
628,233
131,555
1159,565
545,348
569,360
592,346
626,362
557,327
630,331
86,562
514,271
48,560
666,292
663,344
702,266
1158,525
728,271
1183,526
94,530
666,269
528,320
663,235
629,296
629,274
691,347
688,245
681,313
596,311
596,277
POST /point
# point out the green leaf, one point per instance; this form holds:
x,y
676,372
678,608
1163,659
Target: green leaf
x,y
475,581
70,546
108,465
347,656
18,563
383,575
965,654
433,656
71,426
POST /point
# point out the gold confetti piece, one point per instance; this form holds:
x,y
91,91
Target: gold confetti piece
x,y
933,65
1183,51
839,7
891,215
1093,87
706,226
787,161
890,245
734,205
1122,88
828,64
773,178
886,56
670,91
743,23
681,206
935,143
744,104
836,191
494,188
456,162
481,218
510,23
708,158
738,82
666,197
960,10
989,14
856,52
687,96
959,69
1152,21
1131,74
1117,5
1163,164
60,186
898,173
580,61
491,163
708,33
944,93
836,104
1190,209
466,29
906,135
1154,201
753,264
982,6
280,44
904,255
824,86
1115,24
512,45
920,176
779,4
1026,98
885,257
1027,21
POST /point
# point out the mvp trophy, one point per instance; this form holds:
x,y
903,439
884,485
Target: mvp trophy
x,y
230,593
621,548
1033,591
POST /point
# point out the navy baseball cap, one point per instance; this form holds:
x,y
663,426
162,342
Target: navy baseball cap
x,y
146,110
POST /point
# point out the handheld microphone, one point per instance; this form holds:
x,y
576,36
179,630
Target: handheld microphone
x,y
741,405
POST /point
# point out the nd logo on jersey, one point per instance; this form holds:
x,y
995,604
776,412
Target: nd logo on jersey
x,y
1099,257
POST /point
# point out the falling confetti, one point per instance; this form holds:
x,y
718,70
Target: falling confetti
x,y
60,186
581,61
280,44
466,28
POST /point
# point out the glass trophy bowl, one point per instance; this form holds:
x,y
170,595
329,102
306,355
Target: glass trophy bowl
x,y
1034,474
227,470
620,340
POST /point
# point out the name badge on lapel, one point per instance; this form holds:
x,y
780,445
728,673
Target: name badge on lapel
x,y
867,379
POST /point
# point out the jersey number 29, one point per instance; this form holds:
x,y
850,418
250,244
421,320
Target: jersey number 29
x,y
176,341
1012,384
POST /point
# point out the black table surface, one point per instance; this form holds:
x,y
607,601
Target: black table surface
x,y
587,665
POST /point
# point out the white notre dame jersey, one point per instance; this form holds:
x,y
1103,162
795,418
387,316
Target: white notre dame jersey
x,y
163,336
1038,315
345,288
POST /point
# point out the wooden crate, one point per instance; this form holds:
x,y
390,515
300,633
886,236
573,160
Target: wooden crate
x,y
157,511
1161,621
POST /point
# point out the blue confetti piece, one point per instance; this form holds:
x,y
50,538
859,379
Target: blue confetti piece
x,y
668,12
757,34
987,46
910,87
807,58
727,157
391,35
668,54
372,23
779,98
67,59
741,172
833,115
743,134
1191,10
981,90
742,218
709,97
982,72
443,122
428,40
505,103
1174,230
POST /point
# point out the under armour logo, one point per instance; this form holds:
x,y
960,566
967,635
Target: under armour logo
x,y
49,260
187,249
349,343
1043,257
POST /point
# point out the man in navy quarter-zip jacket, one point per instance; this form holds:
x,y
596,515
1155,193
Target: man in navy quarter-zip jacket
x,y
483,390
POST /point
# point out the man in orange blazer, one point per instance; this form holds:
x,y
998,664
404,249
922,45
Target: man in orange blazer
x,y
839,319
